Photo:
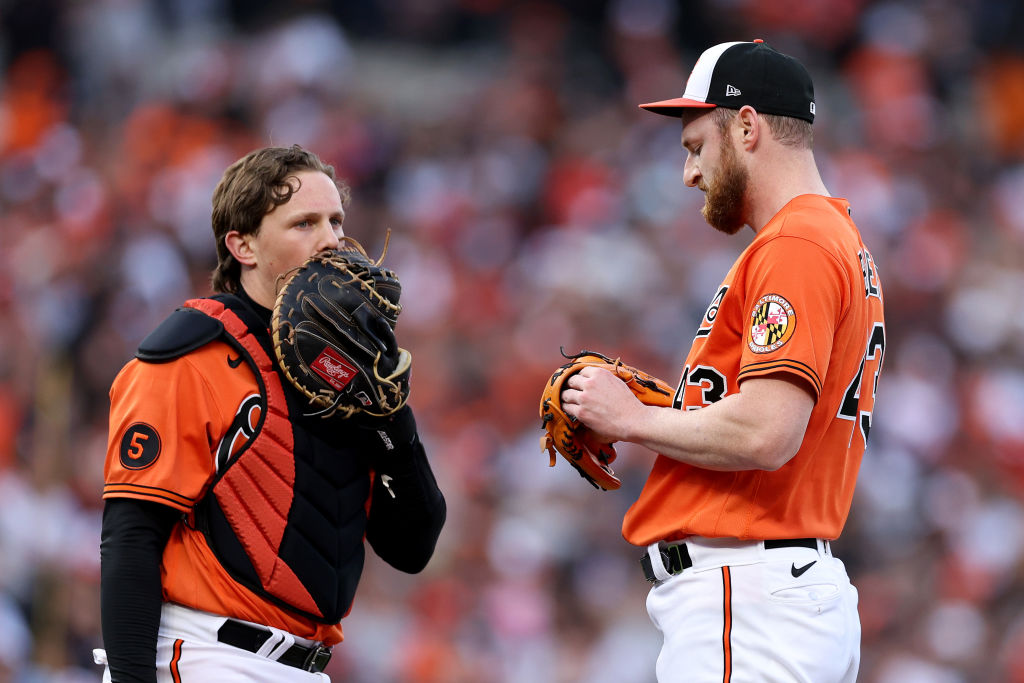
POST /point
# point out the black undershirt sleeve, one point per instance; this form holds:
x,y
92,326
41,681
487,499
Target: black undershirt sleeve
x,y
408,509
131,547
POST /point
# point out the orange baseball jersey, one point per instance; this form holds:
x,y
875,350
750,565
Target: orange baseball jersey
x,y
803,299
166,451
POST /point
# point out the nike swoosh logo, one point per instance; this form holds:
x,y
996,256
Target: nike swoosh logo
x,y
798,571
234,363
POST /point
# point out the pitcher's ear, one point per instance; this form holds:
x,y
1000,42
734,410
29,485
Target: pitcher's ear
x,y
749,125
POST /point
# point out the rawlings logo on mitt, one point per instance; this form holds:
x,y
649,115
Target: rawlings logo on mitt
x,y
333,327
590,456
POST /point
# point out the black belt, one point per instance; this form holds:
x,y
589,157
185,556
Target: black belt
x,y
313,658
676,557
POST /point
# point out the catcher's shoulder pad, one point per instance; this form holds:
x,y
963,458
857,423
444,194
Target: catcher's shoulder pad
x,y
183,331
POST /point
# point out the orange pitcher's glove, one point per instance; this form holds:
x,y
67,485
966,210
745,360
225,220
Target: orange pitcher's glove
x,y
580,446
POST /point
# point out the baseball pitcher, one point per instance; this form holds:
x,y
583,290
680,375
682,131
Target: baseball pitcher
x,y
759,451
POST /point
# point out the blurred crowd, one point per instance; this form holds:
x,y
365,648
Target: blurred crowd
x,y
533,207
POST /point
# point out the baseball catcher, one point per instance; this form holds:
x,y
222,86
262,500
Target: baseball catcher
x,y
584,450
333,330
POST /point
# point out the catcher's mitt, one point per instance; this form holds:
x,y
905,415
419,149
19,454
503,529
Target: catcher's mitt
x,y
333,330
577,444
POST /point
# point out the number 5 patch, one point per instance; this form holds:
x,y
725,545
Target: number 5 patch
x,y
140,446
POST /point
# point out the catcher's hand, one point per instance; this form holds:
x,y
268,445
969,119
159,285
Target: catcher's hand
x,y
579,445
333,330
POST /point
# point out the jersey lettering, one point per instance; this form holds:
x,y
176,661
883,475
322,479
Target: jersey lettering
x,y
242,430
850,407
709,315
867,269
135,446
712,383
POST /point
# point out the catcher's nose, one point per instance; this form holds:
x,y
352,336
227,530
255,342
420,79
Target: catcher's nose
x,y
328,237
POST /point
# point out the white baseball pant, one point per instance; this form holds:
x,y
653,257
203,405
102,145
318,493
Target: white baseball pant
x,y
187,651
746,614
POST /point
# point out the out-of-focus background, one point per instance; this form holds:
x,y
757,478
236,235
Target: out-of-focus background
x,y
497,139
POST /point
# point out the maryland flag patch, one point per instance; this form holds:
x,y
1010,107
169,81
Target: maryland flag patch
x,y
771,324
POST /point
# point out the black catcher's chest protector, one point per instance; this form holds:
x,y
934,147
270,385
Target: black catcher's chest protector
x,y
286,514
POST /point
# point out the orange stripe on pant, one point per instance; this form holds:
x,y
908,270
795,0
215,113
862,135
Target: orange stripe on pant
x,y
175,676
727,624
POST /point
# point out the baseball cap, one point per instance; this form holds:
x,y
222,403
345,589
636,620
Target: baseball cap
x,y
735,74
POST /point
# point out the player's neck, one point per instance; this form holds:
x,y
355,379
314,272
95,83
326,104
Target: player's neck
x,y
263,312
790,175
257,288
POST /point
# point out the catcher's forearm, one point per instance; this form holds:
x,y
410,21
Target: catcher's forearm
x,y
133,538
408,509
404,530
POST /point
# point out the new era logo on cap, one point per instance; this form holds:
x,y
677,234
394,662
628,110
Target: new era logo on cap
x,y
740,73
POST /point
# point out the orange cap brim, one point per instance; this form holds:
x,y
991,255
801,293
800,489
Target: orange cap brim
x,y
675,106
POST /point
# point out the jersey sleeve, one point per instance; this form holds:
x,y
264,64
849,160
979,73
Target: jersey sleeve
x,y
162,419
796,293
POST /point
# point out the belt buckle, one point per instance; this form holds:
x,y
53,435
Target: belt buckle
x,y
317,658
666,560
